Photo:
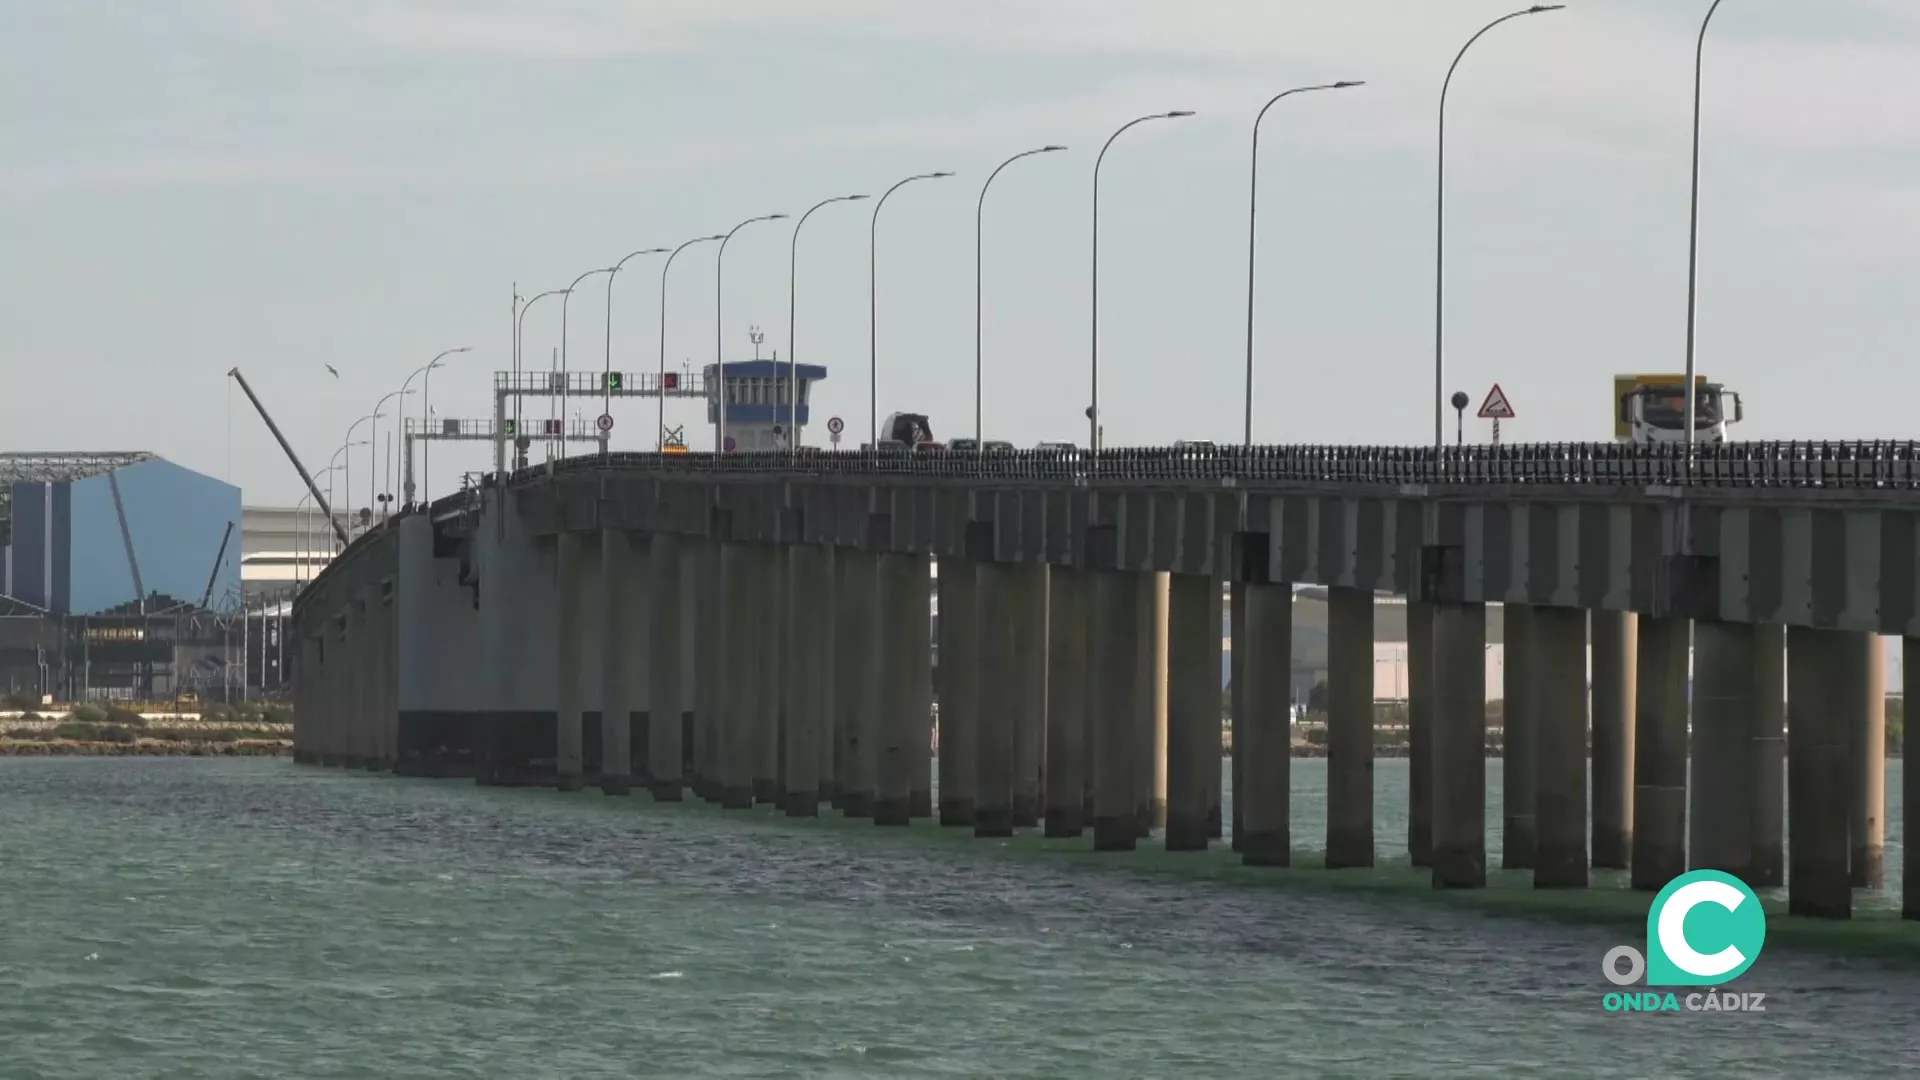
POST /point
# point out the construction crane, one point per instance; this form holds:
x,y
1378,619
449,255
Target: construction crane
x,y
313,488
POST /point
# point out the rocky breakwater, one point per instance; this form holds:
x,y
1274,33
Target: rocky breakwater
x,y
90,731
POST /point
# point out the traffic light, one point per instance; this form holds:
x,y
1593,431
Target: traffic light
x,y
613,382
671,381
513,428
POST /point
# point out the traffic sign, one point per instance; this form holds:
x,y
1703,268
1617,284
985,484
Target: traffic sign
x,y
835,426
605,423
731,444
1496,407
614,381
513,428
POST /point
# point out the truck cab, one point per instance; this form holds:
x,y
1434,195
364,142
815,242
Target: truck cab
x,y
1654,412
911,430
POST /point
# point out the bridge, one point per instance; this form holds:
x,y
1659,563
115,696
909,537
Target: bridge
x,y
752,628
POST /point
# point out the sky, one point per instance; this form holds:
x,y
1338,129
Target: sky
x,y
282,185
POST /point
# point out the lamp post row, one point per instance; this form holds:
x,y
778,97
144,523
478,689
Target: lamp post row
x,y
720,403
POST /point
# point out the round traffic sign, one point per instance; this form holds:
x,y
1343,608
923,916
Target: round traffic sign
x,y
731,444
605,423
836,426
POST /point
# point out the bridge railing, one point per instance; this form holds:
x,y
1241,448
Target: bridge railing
x,y
1877,465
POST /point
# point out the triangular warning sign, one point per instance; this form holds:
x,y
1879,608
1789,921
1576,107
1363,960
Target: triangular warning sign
x,y
1496,407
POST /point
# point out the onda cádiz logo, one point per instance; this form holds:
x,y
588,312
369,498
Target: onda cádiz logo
x,y
1705,929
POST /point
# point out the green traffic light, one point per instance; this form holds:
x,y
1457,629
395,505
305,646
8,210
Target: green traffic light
x,y
613,380
512,429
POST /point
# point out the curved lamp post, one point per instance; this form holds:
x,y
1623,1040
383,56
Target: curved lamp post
x,y
660,433
1440,231
873,306
979,217
1693,234
347,473
1253,203
793,360
1093,408
426,385
373,437
566,299
719,347
519,323
606,376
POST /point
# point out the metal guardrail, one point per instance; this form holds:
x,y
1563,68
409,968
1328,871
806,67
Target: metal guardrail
x,y
1879,466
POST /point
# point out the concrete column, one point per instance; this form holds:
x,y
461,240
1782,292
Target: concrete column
x,y
1616,636
1768,825
1150,706
1066,701
1821,685
1263,729
1519,706
826,623
1720,814
920,711
360,637
806,587
1030,688
668,702
504,550
999,701
569,672
1560,793
1460,746
1193,710
381,670
959,688
1910,781
901,645
709,617
1421,706
770,595
1349,728
741,676
857,693
1866,709
1114,624
1660,753
618,654
1237,705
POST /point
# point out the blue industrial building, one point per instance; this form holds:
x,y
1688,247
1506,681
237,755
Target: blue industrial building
x,y
88,534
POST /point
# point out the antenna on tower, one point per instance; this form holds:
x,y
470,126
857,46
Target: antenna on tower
x,y
753,332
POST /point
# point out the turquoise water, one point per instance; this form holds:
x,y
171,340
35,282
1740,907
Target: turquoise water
x,y
230,918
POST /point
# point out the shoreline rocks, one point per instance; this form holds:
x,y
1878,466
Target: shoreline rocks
x,y
145,748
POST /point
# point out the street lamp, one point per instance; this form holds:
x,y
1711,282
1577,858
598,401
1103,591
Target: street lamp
x,y
793,360
1693,234
606,378
347,473
519,322
719,349
660,434
566,298
979,216
373,435
873,307
335,466
1440,230
1253,202
426,385
1093,410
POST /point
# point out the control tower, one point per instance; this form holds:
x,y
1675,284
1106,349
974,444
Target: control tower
x,y
758,396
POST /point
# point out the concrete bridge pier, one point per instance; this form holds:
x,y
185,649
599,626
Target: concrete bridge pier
x,y
959,688
1237,705
1867,716
825,624
572,575
857,687
1459,780
1910,777
1560,744
807,589
740,749
1193,710
1768,865
1421,706
1616,636
1263,729
624,660
1721,799
920,706
1826,672
902,648
668,716
1115,625
1029,583
359,743
1066,671
708,607
1660,753
387,638
1349,728
336,692
1150,704
1519,718
769,718
999,699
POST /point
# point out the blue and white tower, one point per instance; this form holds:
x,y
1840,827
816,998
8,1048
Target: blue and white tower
x,y
760,406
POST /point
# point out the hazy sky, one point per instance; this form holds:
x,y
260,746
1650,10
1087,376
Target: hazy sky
x,y
190,185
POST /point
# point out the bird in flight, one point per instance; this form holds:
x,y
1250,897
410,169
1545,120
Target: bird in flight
x,y
332,372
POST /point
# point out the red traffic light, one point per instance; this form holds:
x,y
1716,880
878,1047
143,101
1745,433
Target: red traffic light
x,y
670,381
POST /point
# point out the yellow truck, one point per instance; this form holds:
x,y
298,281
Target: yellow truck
x,y
1649,409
